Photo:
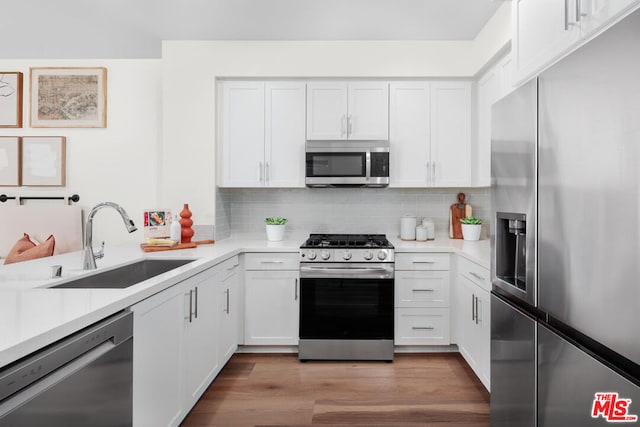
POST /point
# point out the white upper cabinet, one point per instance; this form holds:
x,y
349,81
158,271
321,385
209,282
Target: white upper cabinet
x,y
409,134
546,30
284,137
451,133
493,85
347,110
242,134
263,134
430,134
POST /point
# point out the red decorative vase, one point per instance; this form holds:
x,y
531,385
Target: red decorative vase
x,y
185,223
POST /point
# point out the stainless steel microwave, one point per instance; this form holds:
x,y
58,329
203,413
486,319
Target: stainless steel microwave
x,y
347,164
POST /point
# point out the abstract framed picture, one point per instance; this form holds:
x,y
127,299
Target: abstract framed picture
x,y
10,161
43,161
73,97
10,99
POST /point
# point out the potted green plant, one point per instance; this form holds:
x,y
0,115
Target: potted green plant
x,y
275,228
471,228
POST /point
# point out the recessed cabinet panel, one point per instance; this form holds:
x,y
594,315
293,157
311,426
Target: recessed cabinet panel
x,y
422,326
326,111
243,134
368,116
422,288
409,134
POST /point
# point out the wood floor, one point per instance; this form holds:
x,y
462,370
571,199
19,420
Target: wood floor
x,y
278,390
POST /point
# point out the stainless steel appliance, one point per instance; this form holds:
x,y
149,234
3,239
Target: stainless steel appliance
x,y
566,200
346,298
83,380
353,163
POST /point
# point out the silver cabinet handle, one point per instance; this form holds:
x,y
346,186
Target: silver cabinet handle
x,y
266,172
190,306
473,311
349,125
342,124
271,262
423,290
433,173
296,291
579,13
568,23
477,276
196,303
428,328
423,262
227,292
261,172
428,173
232,267
476,298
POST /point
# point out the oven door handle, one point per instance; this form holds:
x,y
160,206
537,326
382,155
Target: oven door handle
x,y
353,272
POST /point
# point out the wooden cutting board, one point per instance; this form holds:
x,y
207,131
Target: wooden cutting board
x,y
456,212
157,248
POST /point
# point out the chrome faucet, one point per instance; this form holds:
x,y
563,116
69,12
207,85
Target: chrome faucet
x,y
88,256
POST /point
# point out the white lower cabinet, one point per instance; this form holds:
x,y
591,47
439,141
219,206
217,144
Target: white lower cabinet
x,y
176,356
473,304
228,288
158,332
271,299
421,299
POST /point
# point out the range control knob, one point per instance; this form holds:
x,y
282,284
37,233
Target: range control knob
x,y
382,255
368,255
325,255
311,255
346,255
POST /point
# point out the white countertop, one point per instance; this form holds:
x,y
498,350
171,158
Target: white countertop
x,y
32,316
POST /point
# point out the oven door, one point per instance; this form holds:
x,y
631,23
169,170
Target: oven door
x,y
346,303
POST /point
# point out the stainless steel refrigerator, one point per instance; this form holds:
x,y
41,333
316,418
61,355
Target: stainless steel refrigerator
x,y
565,307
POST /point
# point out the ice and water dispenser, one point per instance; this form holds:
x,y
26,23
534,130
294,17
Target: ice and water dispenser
x,y
511,252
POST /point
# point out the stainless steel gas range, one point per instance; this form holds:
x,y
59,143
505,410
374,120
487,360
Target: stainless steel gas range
x,y
346,297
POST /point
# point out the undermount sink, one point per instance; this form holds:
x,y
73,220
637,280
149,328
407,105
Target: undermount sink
x,y
127,275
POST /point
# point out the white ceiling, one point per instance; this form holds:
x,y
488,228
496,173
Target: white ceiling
x,y
135,28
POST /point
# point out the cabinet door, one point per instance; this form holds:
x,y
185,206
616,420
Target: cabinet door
x,y
157,359
483,331
421,326
201,329
409,134
228,313
488,93
242,134
451,133
285,134
271,309
542,31
327,110
368,111
595,14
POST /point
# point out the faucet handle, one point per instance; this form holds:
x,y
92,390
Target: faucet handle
x,y
100,253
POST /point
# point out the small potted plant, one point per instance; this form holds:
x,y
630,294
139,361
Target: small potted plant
x,y
471,227
275,228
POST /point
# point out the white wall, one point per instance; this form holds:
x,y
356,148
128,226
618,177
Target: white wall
x,y
190,69
118,163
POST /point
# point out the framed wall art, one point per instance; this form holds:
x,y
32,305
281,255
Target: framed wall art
x,y
68,97
10,99
43,161
10,161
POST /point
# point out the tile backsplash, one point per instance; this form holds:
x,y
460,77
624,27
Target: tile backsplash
x,y
340,210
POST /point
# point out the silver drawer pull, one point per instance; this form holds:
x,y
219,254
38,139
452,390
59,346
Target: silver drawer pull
x,y
423,290
232,267
477,276
424,262
428,328
271,262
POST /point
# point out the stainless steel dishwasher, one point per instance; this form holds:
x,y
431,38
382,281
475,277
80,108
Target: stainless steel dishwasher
x,y
82,380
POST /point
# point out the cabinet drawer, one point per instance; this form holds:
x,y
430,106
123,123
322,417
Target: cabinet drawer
x,y
422,326
272,261
422,289
422,261
474,272
228,267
